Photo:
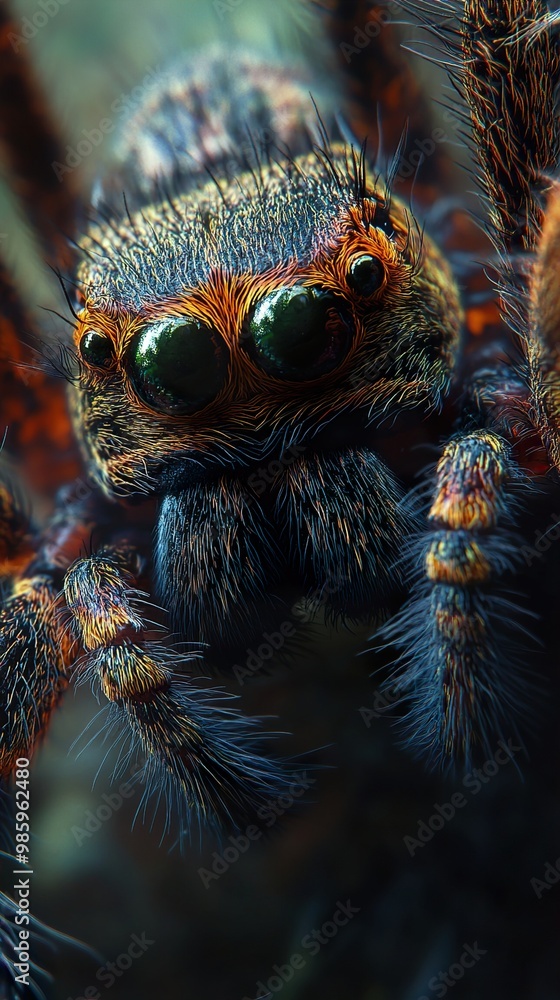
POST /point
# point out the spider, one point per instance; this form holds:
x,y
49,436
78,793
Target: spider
x,y
254,291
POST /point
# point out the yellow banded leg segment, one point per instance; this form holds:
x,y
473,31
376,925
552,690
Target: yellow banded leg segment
x,y
102,599
100,594
201,756
470,480
454,558
457,667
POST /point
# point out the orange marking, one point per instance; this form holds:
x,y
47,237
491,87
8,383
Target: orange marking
x,y
129,673
100,620
471,567
469,476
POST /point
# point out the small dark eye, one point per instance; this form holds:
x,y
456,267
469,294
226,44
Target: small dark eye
x,y
366,275
178,366
97,349
299,333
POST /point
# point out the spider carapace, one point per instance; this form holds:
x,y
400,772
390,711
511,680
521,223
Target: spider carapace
x,y
283,307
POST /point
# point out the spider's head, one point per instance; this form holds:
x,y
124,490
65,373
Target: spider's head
x,y
251,314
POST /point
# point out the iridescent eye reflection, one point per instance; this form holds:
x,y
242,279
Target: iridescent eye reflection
x,y
178,366
366,274
96,349
299,333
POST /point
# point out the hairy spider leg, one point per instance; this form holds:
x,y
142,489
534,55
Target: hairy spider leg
x,y
460,635
202,756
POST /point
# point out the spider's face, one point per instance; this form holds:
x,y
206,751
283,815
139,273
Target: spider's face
x,y
247,315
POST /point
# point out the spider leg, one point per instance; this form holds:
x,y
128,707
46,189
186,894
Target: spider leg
x,y
505,62
508,70
459,666
201,754
543,342
36,648
33,666
33,649
510,76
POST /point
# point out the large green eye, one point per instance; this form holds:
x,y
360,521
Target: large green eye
x,y
178,365
299,333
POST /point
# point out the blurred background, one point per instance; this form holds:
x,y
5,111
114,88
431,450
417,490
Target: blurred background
x,y
233,921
